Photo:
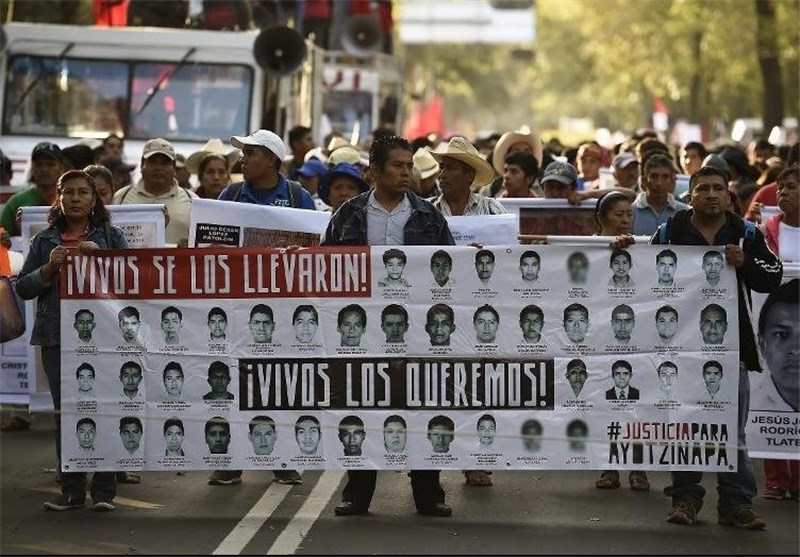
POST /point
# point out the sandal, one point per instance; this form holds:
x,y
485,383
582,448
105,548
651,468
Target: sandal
x,y
477,478
638,481
608,480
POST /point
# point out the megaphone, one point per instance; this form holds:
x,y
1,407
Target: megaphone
x,y
279,50
362,35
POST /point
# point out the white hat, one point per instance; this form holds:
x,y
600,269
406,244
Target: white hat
x,y
336,142
347,155
425,163
508,139
262,138
462,150
212,147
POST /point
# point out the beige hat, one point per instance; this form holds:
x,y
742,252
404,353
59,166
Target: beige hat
x,y
155,146
464,151
347,155
508,139
336,142
425,163
212,147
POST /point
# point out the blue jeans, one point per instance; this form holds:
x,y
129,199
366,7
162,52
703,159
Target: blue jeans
x,y
73,484
734,489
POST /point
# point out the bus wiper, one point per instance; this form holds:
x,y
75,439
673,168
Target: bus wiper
x,y
155,88
38,78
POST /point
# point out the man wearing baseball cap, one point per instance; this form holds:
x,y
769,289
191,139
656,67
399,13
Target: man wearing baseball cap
x,y
262,155
559,180
47,165
159,185
626,170
589,160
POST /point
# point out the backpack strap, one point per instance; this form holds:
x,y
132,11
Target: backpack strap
x,y
125,194
295,194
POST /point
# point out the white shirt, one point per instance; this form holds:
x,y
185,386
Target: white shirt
x,y
788,242
386,228
476,205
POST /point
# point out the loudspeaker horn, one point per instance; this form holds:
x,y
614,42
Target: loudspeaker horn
x,y
362,35
279,50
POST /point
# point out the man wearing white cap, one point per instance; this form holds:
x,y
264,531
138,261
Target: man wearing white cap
x,y
262,155
159,185
460,169
428,169
626,170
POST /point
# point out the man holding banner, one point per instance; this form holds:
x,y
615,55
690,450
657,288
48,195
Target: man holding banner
x,y
389,215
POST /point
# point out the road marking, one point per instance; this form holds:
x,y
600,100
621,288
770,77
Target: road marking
x,y
235,542
136,503
300,524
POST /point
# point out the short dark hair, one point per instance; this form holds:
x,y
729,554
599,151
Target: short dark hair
x,y
351,308
696,146
485,308
666,253
171,365
531,308
531,427
793,170
711,253
308,308
305,418
718,308
623,364
219,366
622,308
128,311
484,253
83,310
261,420
616,253
394,309
350,420
713,363
173,422
82,421
217,420
576,362
394,253
217,311
526,161
786,293
297,133
130,420
440,308
659,161
171,309
577,256
383,145
85,365
575,307
666,309
394,418
131,363
667,363
486,418
529,253
442,420
261,308
707,170
441,254
577,427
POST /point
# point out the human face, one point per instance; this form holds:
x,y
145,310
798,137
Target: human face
x,y
515,182
302,146
171,324
130,378
440,268
131,435
104,190
622,324
174,438
76,199
439,328
218,439
665,267
45,171
262,326
486,326
658,183
84,325
667,325
394,268
258,163
484,266
307,434
710,196
589,166
628,176
618,220
130,328
263,438
553,189
85,381
440,438
394,437
691,161
217,325
352,437
531,438
713,378
112,147
305,326
576,377
578,269
576,325
219,381
712,266
713,327
486,432
455,177
621,376
158,172
173,382
529,268
395,327
789,195
667,375
86,433
341,189
620,265
780,344
394,177
351,329
215,177
531,325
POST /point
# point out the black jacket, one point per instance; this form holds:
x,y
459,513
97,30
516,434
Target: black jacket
x,y
762,270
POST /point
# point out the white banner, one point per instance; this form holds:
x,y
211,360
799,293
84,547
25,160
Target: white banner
x,y
484,229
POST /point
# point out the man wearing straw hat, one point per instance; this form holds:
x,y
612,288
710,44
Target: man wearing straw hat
x,y
460,169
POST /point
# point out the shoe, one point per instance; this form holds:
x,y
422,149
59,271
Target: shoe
x,y
225,477
608,480
437,509
287,477
744,518
64,503
103,505
774,492
348,508
682,513
128,478
477,478
638,481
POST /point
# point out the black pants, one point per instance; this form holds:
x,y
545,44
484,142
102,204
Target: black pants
x,y
424,485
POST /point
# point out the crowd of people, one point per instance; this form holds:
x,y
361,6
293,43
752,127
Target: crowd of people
x,y
398,192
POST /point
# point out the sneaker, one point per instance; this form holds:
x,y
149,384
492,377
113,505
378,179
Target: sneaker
x,y
288,477
64,503
103,505
225,477
744,518
682,513
774,492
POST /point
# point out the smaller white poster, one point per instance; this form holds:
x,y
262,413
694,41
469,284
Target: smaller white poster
x,y
483,229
